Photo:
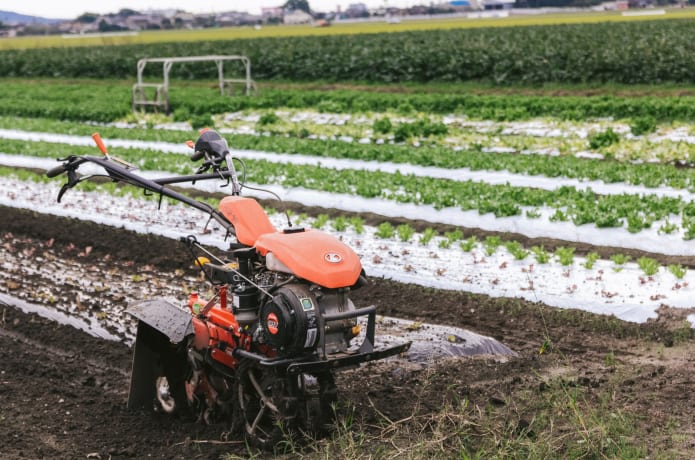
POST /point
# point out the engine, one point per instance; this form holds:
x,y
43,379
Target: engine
x,y
291,321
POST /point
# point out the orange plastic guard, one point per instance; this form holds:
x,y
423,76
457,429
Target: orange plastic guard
x,y
314,256
100,143
248,217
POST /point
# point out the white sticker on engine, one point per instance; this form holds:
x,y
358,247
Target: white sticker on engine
x,y
310,337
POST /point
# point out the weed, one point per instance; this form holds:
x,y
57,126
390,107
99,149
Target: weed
x,y
683,333
545,347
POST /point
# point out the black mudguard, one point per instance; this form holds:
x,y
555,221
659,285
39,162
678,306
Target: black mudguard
x,y
161,327
165,317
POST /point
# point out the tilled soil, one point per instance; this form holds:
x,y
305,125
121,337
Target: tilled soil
x,y
63,392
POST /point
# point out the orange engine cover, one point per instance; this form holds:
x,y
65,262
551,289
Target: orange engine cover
x,y
248,217
314,256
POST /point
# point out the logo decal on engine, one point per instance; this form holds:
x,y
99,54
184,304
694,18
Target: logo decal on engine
x,y
307,304
272,323
333,258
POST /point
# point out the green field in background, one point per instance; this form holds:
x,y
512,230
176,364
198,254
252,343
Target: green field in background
x,y
335,29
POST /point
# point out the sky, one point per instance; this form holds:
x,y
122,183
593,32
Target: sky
x,y
69,9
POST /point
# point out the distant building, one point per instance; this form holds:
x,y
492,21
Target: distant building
x,y
356,10
184,20
272,15
272,12
498,4
460,5
234,18
144,22
297,17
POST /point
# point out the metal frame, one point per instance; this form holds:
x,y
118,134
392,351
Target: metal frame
x,y
161,90
315,363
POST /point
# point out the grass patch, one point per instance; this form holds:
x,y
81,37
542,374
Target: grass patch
x,y
548,418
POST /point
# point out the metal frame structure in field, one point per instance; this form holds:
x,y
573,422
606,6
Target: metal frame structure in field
x,y
160,91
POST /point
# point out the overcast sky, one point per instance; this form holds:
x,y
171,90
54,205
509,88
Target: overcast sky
x,y
69,9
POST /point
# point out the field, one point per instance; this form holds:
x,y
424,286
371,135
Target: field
x,y
335,29
555,218
627,52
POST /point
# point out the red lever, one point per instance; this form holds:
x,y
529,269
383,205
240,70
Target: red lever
x,y
203,130
100,143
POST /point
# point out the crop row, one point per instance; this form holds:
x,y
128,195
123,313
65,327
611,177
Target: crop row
x,y
609,171
108,101
580,207
405,233
634,52
664,144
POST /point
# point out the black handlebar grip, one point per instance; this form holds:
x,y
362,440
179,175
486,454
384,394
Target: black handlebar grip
x,y
197,155
57,171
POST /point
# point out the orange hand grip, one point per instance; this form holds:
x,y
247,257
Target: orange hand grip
x,y
100,143
191,144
